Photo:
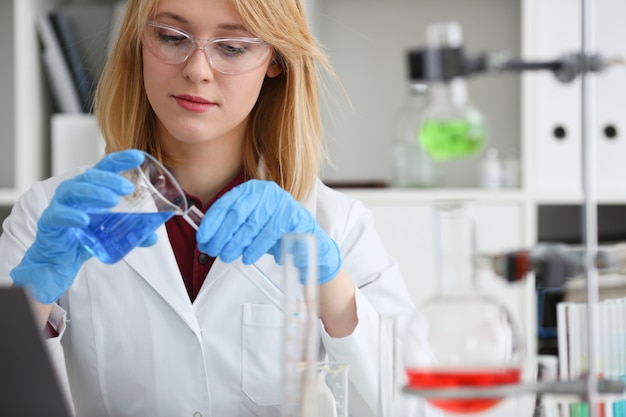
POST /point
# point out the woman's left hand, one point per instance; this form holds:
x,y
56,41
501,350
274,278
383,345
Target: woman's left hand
x,y
250,220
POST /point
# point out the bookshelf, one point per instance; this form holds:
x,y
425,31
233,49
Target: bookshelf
x,y
26,103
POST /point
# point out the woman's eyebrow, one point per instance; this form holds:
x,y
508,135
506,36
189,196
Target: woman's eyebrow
x,y
223,26
172,16
232,26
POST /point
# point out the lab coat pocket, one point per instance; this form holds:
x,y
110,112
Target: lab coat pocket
x,y
262,353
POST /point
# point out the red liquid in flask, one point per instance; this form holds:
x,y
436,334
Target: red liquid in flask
x,y
424,378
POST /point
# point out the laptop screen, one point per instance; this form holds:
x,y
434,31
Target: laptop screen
x,y
29,385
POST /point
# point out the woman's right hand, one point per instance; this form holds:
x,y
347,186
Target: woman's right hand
x,y
50,265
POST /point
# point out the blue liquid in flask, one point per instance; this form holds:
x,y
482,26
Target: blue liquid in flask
x,y
110,236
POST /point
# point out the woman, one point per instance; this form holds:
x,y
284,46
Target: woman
x,y
225,93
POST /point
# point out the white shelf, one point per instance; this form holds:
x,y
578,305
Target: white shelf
x,y
8,196
428,195
484,195
578,198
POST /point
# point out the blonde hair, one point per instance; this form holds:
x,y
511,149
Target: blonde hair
x,y
285,128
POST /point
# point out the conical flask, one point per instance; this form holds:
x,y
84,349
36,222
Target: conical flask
x,y
474,340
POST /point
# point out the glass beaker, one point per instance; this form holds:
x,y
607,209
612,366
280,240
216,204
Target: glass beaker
x,y
331,389
112,233
474,340
158,196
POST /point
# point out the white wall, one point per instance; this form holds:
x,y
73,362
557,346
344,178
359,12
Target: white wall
x,y
366,41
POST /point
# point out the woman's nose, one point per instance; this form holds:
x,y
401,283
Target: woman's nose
x,y
198,66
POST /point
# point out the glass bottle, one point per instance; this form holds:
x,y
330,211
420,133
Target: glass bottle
x,y
412,167
491,170
473,339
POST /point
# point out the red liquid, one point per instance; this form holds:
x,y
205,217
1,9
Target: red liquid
x,y
434,379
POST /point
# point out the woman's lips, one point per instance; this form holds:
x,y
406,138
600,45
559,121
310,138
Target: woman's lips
x,y
195,104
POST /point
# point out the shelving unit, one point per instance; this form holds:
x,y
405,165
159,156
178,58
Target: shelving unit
x,y
26,130
551,166
31,101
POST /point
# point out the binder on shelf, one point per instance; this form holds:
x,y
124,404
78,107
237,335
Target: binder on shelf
x,y
56,68
70,48
610,103
92,24
554,124
609,356
75,42
116,22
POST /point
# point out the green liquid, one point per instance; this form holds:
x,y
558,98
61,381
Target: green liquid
x,y
445,140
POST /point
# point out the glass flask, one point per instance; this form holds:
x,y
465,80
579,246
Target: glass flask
x,y
451,127
412,167
474,340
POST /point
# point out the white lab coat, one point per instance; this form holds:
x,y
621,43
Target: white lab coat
x,y
135,345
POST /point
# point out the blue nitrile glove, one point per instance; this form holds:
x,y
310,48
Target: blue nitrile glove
x,y
249,221
50,265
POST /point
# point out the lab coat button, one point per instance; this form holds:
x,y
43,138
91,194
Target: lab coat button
x,y
197,414
203,258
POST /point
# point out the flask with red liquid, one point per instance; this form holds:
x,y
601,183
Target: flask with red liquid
x,y
474,340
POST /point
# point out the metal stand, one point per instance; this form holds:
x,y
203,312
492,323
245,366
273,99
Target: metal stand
x,y
576,388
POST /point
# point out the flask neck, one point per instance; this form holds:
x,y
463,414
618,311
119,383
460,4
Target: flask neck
x,y
453,92
456,250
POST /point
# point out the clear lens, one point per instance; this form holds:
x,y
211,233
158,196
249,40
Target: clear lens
x,y
233,56
226,55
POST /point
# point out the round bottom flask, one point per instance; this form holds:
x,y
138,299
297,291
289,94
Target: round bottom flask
x,y
473,338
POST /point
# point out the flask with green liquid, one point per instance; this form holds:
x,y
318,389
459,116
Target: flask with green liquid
x,y
451,127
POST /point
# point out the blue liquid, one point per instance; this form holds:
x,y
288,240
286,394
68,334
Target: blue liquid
x,y
110,236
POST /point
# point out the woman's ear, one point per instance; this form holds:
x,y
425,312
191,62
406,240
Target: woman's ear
x,y
275,68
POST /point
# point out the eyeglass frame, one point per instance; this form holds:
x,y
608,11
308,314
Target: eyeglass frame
x,y
205,43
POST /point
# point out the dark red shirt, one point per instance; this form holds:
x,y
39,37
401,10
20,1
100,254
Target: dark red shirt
x,y
193,264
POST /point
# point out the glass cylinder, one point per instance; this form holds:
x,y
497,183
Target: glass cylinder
x,y
387,377
474,339
298,257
